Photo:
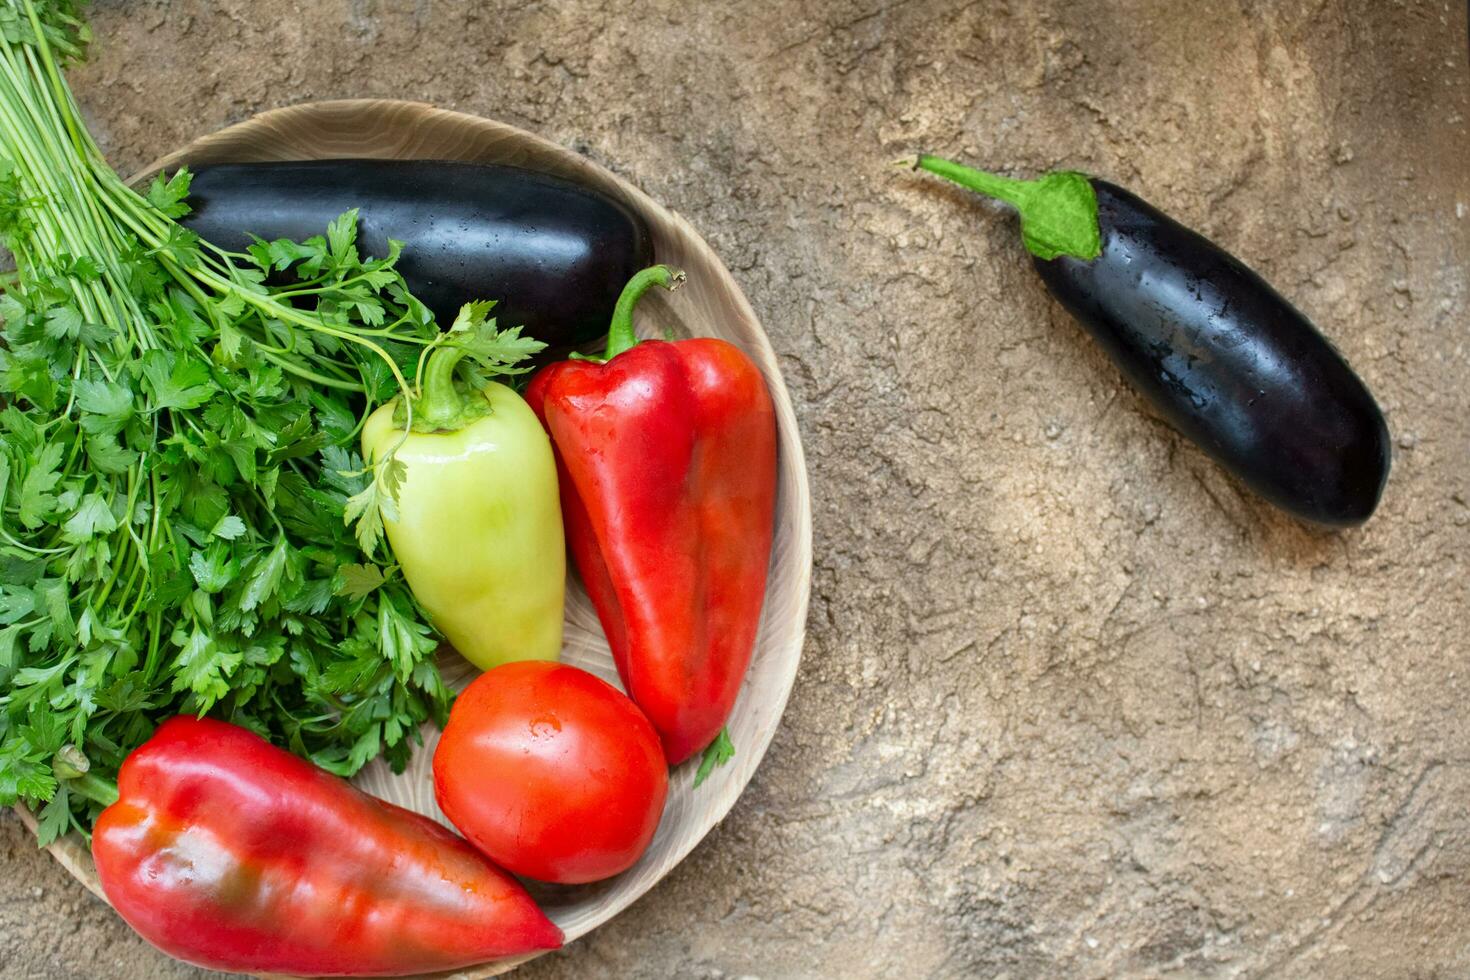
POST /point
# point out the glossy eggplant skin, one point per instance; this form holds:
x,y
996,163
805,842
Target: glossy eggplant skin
x,y
554,254
1228,362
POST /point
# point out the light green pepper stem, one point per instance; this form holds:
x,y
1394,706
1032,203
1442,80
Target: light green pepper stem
x,y
444,404
94,788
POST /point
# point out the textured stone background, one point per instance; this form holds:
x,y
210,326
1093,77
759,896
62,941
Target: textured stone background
x,y
1072,704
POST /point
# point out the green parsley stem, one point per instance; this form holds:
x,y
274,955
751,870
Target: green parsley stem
x,y
286,364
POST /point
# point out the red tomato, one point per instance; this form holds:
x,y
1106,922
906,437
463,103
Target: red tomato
x,y
552,772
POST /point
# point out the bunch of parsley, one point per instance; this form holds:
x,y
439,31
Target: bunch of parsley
x,y
177,484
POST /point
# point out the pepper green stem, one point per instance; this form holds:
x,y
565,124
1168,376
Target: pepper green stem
x,y
444,404
94,788
1058,210
620,336
441,399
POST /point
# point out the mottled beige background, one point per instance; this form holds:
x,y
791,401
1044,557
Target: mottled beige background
x,y
1072,703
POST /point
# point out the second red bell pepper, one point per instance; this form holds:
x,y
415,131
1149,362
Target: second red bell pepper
x,y
232,854
667,459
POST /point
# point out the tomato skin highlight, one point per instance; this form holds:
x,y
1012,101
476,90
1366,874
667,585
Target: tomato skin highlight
x,y
551,772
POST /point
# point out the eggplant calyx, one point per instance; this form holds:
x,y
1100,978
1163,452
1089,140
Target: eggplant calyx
x,y
1058,210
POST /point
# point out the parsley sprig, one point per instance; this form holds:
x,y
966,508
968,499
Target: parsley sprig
x,y
178,484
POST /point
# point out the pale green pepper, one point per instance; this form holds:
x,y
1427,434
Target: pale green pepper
x,y
478,529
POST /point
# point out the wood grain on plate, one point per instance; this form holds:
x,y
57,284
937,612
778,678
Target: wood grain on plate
x,y
709,305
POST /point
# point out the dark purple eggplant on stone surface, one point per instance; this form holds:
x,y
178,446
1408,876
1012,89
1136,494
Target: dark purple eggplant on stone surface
x,y
554,254
1217,351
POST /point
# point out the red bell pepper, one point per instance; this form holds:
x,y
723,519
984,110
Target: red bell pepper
x,y
667,459
232,854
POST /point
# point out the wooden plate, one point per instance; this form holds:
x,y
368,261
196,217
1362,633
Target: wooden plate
x,y
709,305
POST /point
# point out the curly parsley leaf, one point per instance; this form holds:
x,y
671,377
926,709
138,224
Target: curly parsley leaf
x,y
37,502
176,380
491,350
168,194
359,580
719,752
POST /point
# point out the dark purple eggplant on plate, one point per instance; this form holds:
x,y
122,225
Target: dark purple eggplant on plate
x,y
554,254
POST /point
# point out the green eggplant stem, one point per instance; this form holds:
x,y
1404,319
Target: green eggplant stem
x,y
1058,210
1007,189
620,336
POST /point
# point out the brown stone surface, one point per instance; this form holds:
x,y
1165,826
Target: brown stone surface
x,y
1073,703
